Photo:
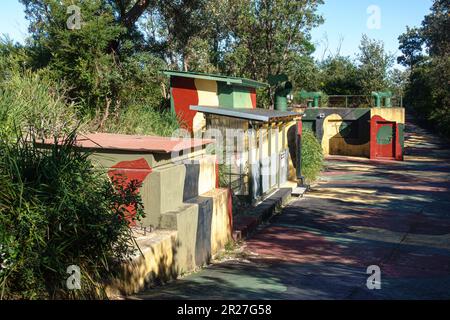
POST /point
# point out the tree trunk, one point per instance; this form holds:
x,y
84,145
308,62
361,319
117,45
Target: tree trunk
x,y
105,114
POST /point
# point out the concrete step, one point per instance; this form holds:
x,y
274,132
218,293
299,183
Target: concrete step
x,y
299,191
248,222
154,261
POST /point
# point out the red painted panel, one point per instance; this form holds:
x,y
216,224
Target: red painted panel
x,y
217,174
389,151
253,97
373,135
184,94
398,146
127,171
385,150
140,164
299,127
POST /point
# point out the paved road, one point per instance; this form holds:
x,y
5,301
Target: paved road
x,y
395,215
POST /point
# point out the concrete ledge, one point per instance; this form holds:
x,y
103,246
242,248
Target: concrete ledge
x,y
200,176
162,192
221,219
246,223
155,263
186,221
185,240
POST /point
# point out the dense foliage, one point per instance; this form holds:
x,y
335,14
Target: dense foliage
x,y
312,156
103,63
426,54
117,53
56,210
113,61
31,99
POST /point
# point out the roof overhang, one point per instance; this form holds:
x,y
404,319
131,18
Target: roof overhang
x,y
258,114
215,77
133,143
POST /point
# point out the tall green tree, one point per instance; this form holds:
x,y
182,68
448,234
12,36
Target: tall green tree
x,y
339,76
174,30
411,43
80,56
398,80
435,28
100,58
427,92
374,64
268,37
121,44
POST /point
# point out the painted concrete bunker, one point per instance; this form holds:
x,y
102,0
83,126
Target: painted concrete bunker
x,y
375,133
194,88
190,219
226,106
257,147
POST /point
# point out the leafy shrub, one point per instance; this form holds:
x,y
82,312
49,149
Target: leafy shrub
x,y
57,210
312,156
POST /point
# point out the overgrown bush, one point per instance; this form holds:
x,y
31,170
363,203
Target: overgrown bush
x,y
312,156
143,119
31,99
57,210
426,53
428,94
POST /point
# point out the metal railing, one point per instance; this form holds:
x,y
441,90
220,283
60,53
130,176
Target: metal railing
x,y
356,101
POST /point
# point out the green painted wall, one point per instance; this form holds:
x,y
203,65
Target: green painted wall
x,y
225,95
234,96
385,135
241,97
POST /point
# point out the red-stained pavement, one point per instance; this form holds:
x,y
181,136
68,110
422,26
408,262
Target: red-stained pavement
x,y
395,215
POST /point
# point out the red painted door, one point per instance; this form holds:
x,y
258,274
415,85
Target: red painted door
x,y
385,140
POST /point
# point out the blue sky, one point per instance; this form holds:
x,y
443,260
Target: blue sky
x,y
344,19
347,20
12,20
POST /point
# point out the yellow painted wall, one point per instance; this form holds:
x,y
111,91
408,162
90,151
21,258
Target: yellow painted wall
x,y
334,144
207,174
389,114
220,222
198,124
273,142
207,92
157,261
338,146
207,96
330,129
169,253
292,173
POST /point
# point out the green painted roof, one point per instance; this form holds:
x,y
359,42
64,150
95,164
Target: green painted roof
x,y
217,77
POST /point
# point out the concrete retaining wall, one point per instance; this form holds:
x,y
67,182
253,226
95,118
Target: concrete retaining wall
x,y
192,217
